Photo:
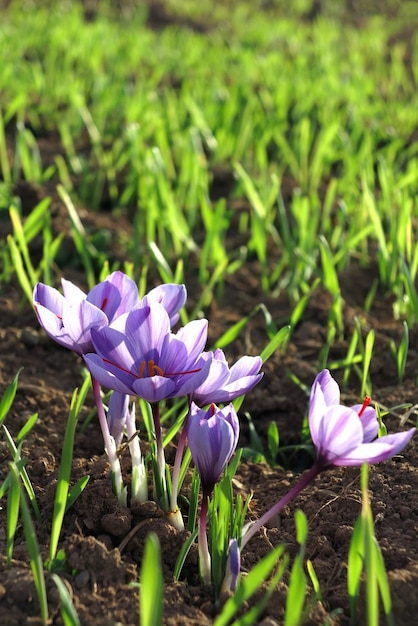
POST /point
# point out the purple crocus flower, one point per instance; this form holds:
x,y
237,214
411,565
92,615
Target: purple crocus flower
x,y
347,435
139,355
69,317
224,384
213,437
342,436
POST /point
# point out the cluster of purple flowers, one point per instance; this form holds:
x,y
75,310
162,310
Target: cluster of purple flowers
x,y
129,346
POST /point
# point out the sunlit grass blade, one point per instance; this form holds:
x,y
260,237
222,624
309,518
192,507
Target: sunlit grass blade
x,y
278,342
13,502
76,491
15,453
85,249
68,613
365,556
295,601
151,584
61,494
19,268
8,396
33,547
366,386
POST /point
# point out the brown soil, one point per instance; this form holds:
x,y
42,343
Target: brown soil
x,y
96,526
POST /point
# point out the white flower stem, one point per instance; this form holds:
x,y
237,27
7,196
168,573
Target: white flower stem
x,y
109,446
174,515
139,477
205,565
159,480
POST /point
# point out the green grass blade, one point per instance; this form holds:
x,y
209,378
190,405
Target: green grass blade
x,y
33,547
8,397
61,494
76,491
13,502
68,613
151,584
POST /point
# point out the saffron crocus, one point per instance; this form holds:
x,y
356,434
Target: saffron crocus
x,y
213,437
347,435
342,436
224,384
68,318
139,355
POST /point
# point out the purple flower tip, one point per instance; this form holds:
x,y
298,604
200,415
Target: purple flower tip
x,y
213,437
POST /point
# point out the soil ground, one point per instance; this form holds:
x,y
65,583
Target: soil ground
x,y
93,537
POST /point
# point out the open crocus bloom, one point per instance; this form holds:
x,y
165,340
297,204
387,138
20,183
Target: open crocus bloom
x,y
69,317
347,435
224,384
213,437
139,355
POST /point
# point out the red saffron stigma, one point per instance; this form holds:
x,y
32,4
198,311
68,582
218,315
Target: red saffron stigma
x,y
213,408
104,302
365,404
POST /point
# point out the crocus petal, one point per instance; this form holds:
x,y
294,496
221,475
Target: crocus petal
x,y
49,298
171,296
224,384
115,295
212,440
329,387
245,366
194,336
217,376
154,388
115,347
238,388
79,320
339,433
317,409
100,371
380,450
187,384
368,421
146,328
54,327
72,293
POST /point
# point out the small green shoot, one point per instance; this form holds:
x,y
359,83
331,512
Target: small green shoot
x,y
365,556
151,584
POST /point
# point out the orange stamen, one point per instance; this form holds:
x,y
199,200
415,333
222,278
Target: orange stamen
x,y
365,404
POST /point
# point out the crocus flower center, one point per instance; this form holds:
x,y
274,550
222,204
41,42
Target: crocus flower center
x,y
151,369
365,404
